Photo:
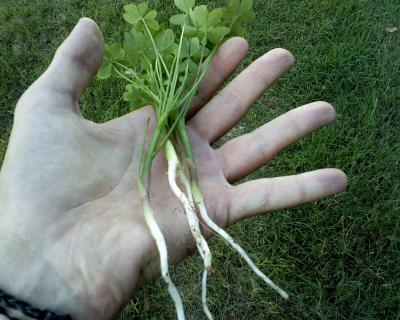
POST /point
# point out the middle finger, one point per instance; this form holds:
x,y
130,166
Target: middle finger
x,y
230,105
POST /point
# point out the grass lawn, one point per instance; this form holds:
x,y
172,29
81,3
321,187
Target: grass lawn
x,y
338,258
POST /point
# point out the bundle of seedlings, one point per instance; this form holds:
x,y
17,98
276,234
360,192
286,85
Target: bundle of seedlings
x,y
164,67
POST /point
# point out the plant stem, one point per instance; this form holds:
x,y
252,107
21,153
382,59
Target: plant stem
x,y
149,159
142,85
187,148
198,81
139,172
158,55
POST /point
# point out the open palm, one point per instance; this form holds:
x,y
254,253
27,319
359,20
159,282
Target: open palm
x,y
71,218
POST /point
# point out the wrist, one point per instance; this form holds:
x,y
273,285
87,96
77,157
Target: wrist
x,y
26,274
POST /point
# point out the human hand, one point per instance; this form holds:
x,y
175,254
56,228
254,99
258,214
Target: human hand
x,y
72,235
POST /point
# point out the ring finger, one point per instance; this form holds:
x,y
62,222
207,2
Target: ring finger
x,y
241,156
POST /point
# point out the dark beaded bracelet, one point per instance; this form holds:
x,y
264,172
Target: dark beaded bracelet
x,y
15,309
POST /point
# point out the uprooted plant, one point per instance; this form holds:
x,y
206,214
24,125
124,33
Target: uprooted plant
x,y
164,67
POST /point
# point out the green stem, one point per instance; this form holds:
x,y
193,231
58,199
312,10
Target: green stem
x,y
183,85
158,55
141,151
175,77
200,78
149,159
142,87
187,148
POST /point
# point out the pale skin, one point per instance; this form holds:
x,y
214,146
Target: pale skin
x,y
72,235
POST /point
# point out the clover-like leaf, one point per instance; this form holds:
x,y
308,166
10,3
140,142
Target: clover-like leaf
x,y
234,6
179,19
246,6
191,31
217,34
204,52
164,40
132,14
240,11
190,47
132,8
131,47
247,17
153,24
190,65
139,14
116,53
138,48
184,5
134,97
143,8
130,93
215,16
105,71
237,30
112,53
194,46
201,15
151,15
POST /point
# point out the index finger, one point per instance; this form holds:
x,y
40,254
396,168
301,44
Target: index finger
x,y
225,62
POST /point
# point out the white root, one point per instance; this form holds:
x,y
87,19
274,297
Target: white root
x,y
188,205
214,227
162,249
207,256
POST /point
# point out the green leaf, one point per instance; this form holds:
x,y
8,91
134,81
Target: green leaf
x,y
132,17
216,35
131,48
203,51
191,31
192,17
153,24
116,52
105,71
190,64
130,93
136,12
135,98
179,19
247,17
143,8
239,11
246,6
131,8
190,47
234,6
151,15
164,40
215,17
194,46
201,15
238,30
184,5
136,45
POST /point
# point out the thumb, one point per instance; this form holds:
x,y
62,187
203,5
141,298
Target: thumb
x,y
75,62
130,127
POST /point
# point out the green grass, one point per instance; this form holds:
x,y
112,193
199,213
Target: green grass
x,y
338,258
